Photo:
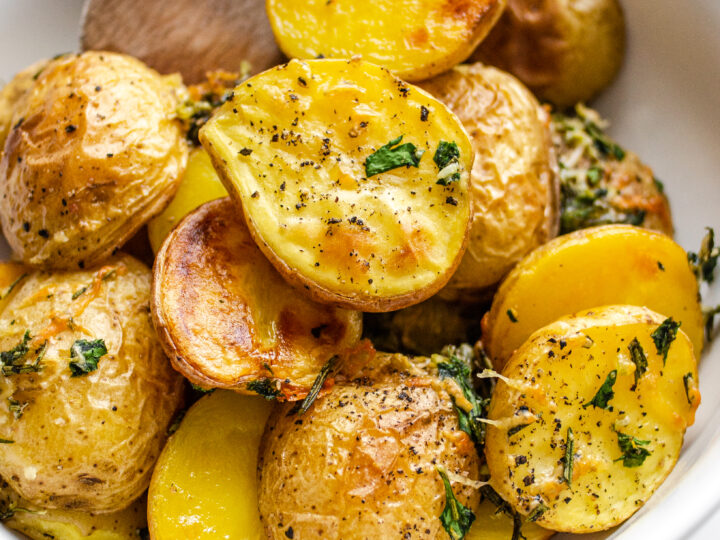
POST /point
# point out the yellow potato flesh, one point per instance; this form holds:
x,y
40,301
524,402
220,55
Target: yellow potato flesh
x,y
199,184
205,484
553,378
416,39
490,524
291,147
614,264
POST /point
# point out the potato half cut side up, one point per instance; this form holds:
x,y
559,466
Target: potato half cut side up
x,y
589,417
228,320
612,264
363,212
415,39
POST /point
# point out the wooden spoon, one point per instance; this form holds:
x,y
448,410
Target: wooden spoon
x,y
189,36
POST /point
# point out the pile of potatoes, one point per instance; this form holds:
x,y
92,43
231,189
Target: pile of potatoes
x,y
323,236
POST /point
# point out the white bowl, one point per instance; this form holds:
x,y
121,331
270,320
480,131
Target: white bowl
x,y
665,106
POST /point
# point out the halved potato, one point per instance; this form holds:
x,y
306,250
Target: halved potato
x,y
491,524
303,148
589,417
227,319
613,264
205,483
515,197
415,39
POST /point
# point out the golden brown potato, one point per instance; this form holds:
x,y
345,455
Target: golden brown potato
x,y
362,462
566,51
205,483
13,92
40,524
601,182
227,319
613,264
414,39
11,274
334,198
87,391
514,188
94,152
589,417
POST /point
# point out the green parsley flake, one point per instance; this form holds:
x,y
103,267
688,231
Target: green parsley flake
x,y
664,335
637,355
264,388
447,159
391,156
455,518
569,456
688,380
605,393
633,453
87,354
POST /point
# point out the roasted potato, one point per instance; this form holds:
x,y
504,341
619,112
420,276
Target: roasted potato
x,y
87,391
362,462
228,320
11,274
601,182
332,198
414,39
593,267
514,204
94,152
566,51
199,184
205,483
40,524
589,417
12,94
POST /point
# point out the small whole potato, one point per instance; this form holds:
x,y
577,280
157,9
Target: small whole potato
x,y
13,92
87,393
566,51
94,151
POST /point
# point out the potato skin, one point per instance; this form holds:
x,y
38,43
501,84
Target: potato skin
x,y
87,442
514,203
227,319
416,39
551,380
291,147
361,462
12,93
94,152
566,51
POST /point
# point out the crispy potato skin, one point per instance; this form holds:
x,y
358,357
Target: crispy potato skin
x,y
361,463
89,442
227,318
95,151
12,93
41,524
513,182
552,379
290,148
416,39
566,51
205,483
593,267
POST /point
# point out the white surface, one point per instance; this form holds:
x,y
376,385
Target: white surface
x,y
665,106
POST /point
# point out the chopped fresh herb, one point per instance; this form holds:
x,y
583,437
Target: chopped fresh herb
x,y
487,492
537,513
201,389
637,355
704,262
175,425
659,185
447,159
688,380
709,314
569,456
605,393
16,368
664,335
15,407
264,388
87,354
6,441
391,156
79,292
633,453
516,429
603,143
591,207
18,352
594,175
512,315
317,385
12,286
456,518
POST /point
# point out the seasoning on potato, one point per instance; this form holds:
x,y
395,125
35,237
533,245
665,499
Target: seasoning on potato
x,y
612,264
414,39
589,416
566,51
87,393
513,183
228,320
95,150
360,211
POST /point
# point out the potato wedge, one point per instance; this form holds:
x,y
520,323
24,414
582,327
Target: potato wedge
x,y
40,524
612,264
515,197
205,483
490,524
303,148
228,320
589,417
199,184
414,39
